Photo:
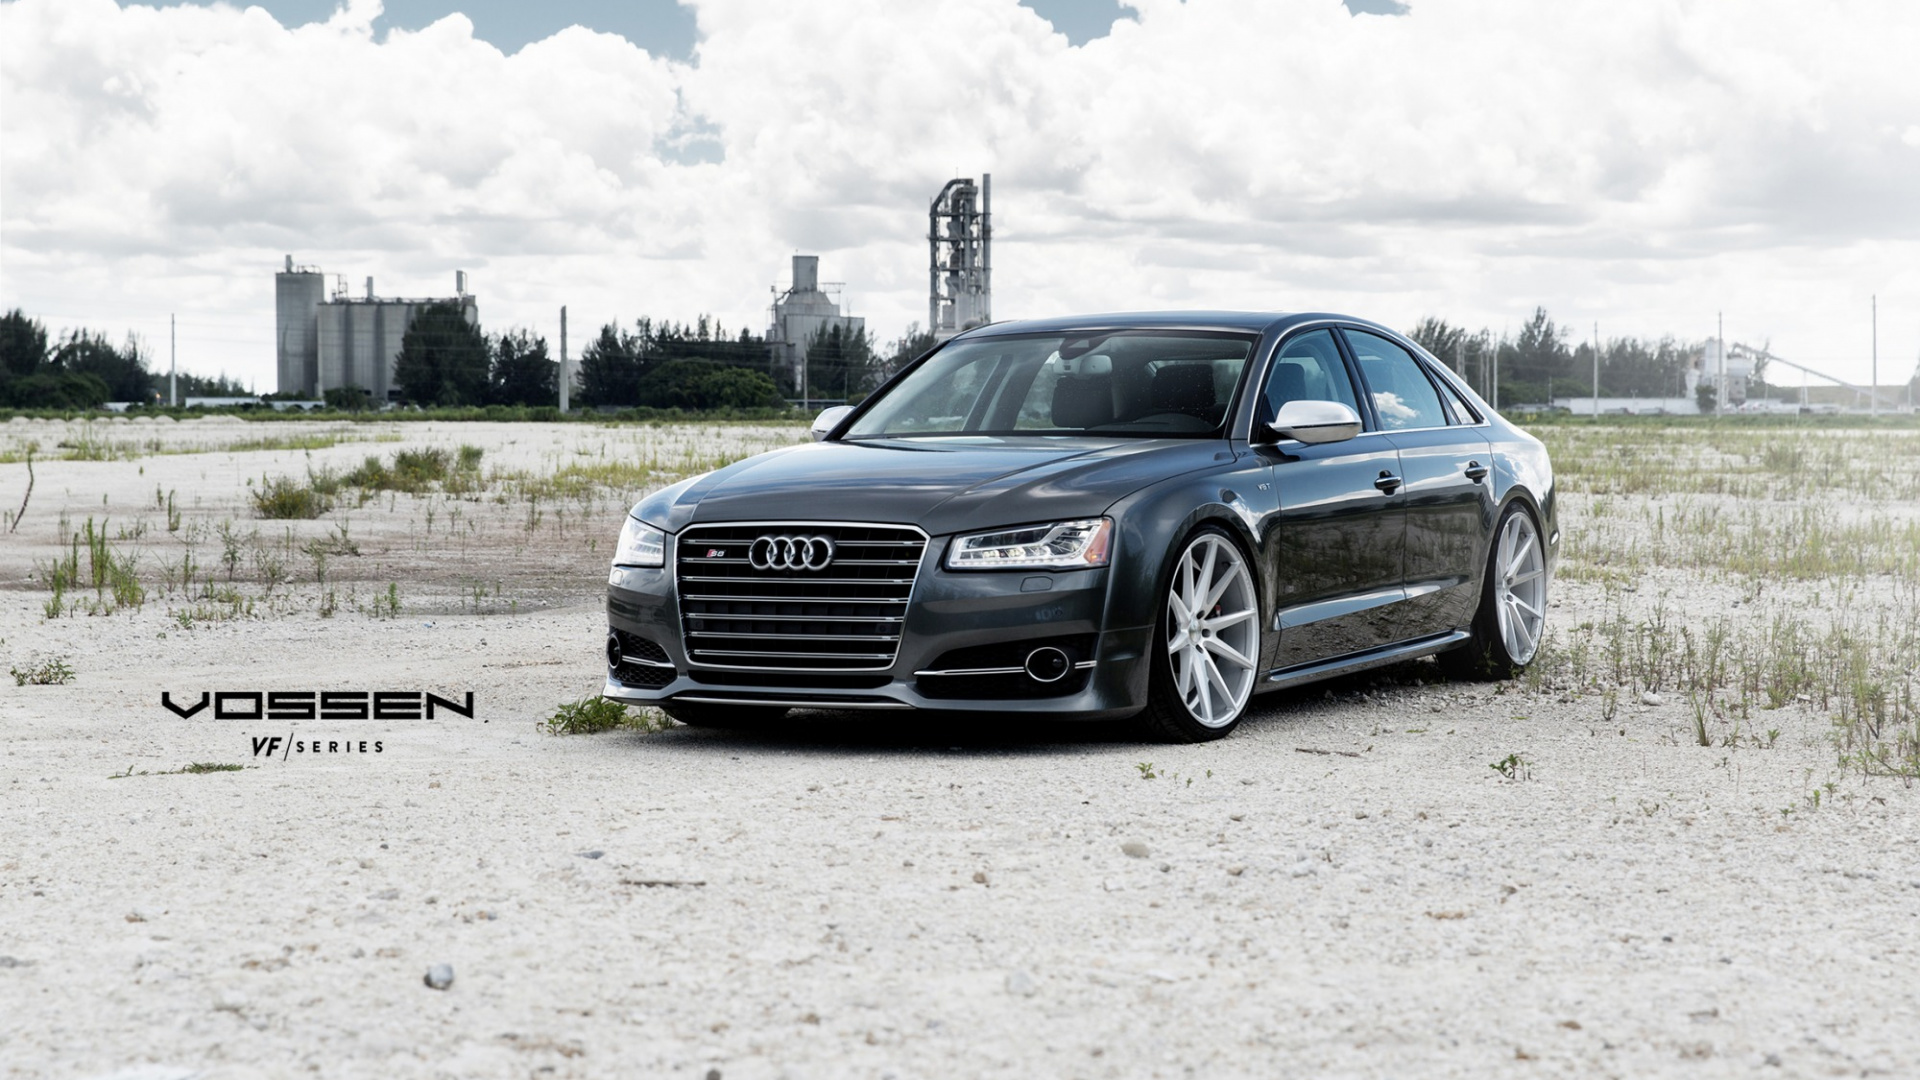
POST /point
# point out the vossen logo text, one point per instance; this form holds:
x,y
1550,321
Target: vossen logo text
x,y
321,705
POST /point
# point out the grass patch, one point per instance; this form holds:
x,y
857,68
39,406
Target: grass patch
x,y
48,673
195,769
283,498
593,715
109,571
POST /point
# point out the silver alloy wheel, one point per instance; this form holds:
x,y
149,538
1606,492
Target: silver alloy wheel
x,y
1521,586
1213,630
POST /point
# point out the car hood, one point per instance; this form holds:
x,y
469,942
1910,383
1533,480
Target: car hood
x,y
941,485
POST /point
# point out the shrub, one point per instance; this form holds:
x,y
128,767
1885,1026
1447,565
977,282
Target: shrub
x,y
284,498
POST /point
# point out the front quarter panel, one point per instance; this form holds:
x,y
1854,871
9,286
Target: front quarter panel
x,y
1235,495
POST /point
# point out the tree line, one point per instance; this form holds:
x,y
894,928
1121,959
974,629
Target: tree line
x,y
1538,363
82,369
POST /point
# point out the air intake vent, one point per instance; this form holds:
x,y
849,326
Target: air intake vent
x,y
773,597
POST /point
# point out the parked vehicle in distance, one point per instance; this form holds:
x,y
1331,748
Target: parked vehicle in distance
x,y
1152,516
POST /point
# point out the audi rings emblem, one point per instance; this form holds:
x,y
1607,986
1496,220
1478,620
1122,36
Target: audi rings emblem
x,y
790,553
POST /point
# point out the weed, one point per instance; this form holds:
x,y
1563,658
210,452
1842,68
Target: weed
x,y
1513,767
49,673
592,715
283,498
387,605
1146,770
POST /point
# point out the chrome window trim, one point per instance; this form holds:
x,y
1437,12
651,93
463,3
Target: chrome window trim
x,y
1434,368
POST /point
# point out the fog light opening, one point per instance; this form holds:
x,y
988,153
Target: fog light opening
x,y
614,655
1048,664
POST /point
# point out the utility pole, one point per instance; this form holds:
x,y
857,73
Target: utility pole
x,y
565,380
1596,371
1874,407
173,363
1720,380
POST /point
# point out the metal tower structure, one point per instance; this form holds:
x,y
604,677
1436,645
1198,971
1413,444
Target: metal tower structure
x,y
960,257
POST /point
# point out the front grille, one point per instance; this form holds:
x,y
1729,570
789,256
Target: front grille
x,y
845,616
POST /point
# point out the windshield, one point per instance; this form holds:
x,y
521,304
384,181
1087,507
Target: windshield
x,y
1140,383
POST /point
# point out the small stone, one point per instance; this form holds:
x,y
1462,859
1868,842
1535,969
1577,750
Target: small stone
x,y
1360,815
979,877
1134,849
440,976
713,1074
594,854
1021,984
14,962
1236,871
1651,698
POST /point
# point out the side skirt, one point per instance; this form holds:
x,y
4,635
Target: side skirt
x,y
1361,661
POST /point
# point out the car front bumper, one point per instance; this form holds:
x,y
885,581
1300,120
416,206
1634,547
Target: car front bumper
x,y
989,618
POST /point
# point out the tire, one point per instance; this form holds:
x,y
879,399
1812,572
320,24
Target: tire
x,y
1205,664
725,717
1511,619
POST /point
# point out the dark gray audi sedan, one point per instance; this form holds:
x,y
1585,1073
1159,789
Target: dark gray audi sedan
x,y
1148,516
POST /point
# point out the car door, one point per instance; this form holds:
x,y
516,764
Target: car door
x,y
1334,549
1445,460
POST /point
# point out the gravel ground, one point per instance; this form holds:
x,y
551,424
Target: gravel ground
x,y
1346,887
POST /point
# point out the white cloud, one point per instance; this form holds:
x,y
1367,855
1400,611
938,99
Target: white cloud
x,y
1643,164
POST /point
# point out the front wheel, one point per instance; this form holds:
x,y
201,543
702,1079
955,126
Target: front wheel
x,y
1512,616
1206,644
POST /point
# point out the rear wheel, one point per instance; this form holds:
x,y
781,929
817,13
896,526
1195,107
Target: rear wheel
x,y
729,717
1512,617
1206,645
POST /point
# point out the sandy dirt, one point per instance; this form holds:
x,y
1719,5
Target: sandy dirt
x,y
1346,887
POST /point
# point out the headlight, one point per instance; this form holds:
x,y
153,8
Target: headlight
x,y
640,545
1064,545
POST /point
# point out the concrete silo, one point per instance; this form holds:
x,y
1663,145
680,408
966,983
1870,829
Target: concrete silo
x,y
298,292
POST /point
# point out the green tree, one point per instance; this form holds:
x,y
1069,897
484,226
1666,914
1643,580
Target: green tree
x,y
123,370
444,359
349,399
839,362
1540,354
23,344
612,365
523,374
700,385
54,389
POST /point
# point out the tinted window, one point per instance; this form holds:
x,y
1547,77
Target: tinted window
x,y
1463,413
1151,383
1402,395
1308,368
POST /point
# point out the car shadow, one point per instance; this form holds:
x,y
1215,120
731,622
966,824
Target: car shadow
x,y
990,733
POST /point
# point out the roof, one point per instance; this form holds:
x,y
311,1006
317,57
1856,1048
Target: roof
x,y
1244,321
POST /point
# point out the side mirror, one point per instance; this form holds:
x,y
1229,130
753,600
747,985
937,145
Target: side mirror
x,y
1312,422
829,419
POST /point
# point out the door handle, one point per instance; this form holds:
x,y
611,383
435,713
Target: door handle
x,y
1476,472
1388,482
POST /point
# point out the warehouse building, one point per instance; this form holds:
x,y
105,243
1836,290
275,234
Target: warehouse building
x,y
325,343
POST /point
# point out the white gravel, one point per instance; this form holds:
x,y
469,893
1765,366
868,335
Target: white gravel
x,y
879,898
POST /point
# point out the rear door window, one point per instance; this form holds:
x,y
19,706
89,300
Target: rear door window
x,y
1403,396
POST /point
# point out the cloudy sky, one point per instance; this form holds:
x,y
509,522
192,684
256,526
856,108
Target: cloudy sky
x,y
1642,164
